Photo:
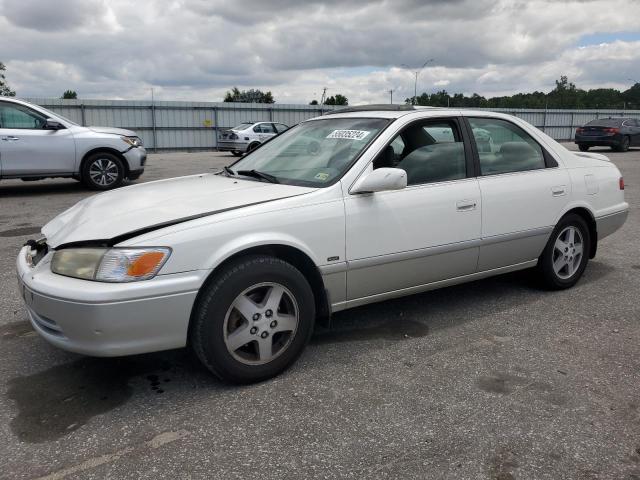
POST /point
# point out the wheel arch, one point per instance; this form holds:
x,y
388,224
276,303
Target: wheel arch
x,y
112,151
289,254
590,219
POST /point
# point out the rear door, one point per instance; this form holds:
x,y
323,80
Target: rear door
x,y
264,131
27,149
523,192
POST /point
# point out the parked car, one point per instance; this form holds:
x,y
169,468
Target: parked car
x,y
342,210
248,135
36,143
617,133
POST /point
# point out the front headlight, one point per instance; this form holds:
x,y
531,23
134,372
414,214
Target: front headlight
x,y
133,141
110,264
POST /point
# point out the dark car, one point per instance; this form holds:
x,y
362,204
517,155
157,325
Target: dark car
x,y
617,133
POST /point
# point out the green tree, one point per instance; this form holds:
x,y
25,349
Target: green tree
x,y
248,96
337,100
632,97
5,91
313,102
69,95
564,95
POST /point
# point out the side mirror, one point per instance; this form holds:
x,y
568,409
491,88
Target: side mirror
x,y
51,124
380,180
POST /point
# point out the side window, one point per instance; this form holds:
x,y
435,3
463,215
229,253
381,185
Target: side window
x,y
504,147
17,116
429,151
268,128
258,128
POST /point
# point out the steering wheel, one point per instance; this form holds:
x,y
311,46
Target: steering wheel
x,y
313,148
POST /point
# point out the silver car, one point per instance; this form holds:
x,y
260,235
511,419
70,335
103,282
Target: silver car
x,y
248,135
36,143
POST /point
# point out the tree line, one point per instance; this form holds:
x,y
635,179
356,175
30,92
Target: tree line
x,y
564,95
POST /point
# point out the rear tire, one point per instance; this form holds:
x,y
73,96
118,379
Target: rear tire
x,y
624,145
103,171
566,255
253,146
237,154
236,335
583,147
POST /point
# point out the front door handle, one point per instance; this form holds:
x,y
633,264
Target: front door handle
x,y
465,205
10,139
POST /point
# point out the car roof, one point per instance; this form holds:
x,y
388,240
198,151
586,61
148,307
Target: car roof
x,y
397,111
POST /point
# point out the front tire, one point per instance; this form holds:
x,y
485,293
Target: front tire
x,y
103,171
253,319
565,257
583,147
236,153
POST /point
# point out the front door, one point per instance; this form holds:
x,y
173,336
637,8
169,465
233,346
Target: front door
x,y
27,149
429,231
523,193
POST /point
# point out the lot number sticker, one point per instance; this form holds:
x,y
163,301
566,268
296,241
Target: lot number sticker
x,y
349,134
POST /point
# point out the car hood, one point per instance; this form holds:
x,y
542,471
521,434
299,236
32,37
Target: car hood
x,y
113,216
114,131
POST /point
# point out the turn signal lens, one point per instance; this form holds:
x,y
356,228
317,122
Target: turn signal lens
x,y
621,183
145,264
131,264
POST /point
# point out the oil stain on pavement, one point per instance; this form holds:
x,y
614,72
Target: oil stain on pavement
x,y
19,232
55,402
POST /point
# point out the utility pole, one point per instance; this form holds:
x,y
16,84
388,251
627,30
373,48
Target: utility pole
x,y
324,94
391,93
416,72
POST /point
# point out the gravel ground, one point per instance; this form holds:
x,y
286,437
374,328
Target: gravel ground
x,y
492,379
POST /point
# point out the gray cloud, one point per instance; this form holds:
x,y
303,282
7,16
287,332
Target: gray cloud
x,y
199,48
51,16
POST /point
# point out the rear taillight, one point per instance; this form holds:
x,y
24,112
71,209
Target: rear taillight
x,y
579,130
611,130
233,136
621,183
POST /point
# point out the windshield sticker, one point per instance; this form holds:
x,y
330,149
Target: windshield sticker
x,y
349,134
322,176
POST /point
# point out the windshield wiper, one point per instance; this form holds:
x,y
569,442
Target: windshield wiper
x,y
257,174
229,172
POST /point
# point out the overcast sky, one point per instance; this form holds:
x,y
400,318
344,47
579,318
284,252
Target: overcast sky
x,y
198,49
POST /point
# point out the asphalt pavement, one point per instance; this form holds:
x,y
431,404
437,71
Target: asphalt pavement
x,y
494,379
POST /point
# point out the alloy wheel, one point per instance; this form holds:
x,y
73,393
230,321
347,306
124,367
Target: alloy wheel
x,y
568,250
103,172
261,323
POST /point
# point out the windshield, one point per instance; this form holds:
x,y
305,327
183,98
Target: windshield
x,y
242,126
314,153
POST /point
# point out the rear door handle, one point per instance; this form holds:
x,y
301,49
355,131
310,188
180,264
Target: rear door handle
x,y
558,191
10,139
465,205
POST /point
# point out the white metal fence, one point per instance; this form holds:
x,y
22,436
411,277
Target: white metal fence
x,y
194,125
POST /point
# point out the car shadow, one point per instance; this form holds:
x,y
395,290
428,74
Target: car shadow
x,y
39,188
56,401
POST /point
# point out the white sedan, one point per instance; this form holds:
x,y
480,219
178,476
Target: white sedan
x,y
342,210
248,136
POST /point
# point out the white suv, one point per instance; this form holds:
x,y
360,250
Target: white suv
x,y
248,135
36,143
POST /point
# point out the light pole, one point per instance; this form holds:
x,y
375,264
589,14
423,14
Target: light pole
x,y
416,73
